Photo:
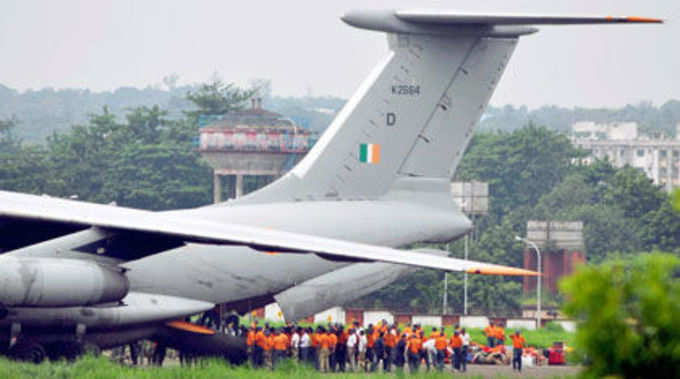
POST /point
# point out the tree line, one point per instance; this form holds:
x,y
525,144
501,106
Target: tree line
x,y
147,160
532,175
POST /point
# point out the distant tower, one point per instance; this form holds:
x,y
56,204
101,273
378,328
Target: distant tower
x,y
254,143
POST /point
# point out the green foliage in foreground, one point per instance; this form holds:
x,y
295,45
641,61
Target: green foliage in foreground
x,y
630,312
102,368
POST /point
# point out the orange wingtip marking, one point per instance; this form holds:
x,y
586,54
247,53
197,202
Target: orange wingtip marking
x,y
644,19
271,253
509,271
189,327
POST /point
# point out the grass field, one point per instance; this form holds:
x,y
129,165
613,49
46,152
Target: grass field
x,y
102,368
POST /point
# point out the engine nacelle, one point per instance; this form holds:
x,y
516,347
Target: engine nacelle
x,y
56,282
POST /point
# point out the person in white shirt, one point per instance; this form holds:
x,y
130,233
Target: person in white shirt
x,y
430,350
363,343
466,346
295,343
305,346
352,342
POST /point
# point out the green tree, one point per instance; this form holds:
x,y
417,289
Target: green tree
x,y
520,167
9,142
629,312
158,177
660,229
22,168
216,98
633,192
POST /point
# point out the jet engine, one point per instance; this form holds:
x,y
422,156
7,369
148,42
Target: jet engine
x,y
55,282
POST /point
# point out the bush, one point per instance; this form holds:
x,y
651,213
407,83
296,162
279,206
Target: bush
x,y
629,313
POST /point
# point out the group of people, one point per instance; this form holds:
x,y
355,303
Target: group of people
x,y
339,349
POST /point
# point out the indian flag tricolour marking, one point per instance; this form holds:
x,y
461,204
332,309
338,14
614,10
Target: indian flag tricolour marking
x,y
369,153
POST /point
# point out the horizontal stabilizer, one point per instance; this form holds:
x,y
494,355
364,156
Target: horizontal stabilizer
x,y
441,22
452,17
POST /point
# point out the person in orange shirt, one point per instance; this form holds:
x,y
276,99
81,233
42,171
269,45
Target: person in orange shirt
x,y
408,330
440,344
250,343
268,346
414,347
332,347
280,342
424,356
258,351
383,327
370,341
324,349
390,343
500,334
518,343
457,346
490,332
315,347
434,333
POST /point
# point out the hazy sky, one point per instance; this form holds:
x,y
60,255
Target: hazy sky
x,y
303,45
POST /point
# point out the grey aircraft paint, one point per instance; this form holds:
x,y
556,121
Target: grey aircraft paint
x,y
325,233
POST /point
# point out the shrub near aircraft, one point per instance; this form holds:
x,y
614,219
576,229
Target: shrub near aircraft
x,y
79,275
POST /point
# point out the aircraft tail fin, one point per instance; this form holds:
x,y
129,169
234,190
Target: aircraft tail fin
x,y
413,117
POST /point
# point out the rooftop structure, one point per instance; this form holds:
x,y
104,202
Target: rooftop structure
x,y
254,142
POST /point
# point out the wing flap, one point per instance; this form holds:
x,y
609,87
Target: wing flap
x,y
195,230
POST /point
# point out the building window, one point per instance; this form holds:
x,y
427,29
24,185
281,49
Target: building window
x,y
676,154
674,173
663,153
663,171
641,152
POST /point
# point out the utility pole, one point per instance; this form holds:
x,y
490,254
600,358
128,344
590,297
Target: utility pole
x,y
465,279
446,286
539,279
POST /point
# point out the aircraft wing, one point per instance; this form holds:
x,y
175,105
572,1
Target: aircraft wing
x,y
55,210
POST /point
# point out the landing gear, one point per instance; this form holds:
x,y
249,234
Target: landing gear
x,y
28,351
71,350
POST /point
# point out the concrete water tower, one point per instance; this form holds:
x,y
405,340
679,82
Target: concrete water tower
x,y
252,142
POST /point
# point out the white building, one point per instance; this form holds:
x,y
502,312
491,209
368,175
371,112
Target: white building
x,y
620,143
589,130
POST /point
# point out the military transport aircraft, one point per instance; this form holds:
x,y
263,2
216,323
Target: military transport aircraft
x,y
77,274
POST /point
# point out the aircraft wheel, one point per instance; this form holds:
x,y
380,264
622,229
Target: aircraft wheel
x,y
29,352
71,351
91,349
